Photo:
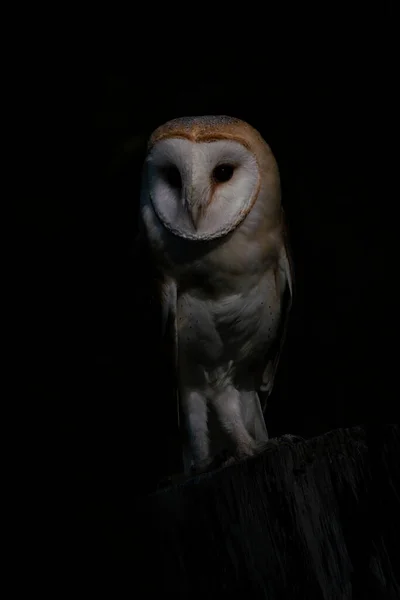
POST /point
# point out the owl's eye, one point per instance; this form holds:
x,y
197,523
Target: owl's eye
x,y
173,177
223,173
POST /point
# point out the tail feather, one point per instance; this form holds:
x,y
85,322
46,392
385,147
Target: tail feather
x,y
253,416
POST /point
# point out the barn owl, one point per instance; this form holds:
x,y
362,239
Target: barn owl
x,y
211,213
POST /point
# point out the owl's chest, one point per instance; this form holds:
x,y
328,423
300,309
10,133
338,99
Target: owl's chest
x,y
234,326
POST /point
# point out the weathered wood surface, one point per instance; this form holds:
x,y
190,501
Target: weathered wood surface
x,y
309,519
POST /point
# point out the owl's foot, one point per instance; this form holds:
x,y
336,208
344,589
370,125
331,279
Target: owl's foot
x,y
291,439
226,459
170,480
202,466
287,439
232,460
239,456
260,447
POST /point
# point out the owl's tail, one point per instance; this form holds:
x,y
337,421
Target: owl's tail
x,y
253,416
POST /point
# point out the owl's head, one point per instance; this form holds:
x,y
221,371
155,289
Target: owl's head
x,y
203,175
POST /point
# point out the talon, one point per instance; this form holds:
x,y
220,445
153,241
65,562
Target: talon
x,y
230,461
239,457
201,467
291,439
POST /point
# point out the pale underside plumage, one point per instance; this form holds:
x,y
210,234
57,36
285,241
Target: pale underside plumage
x,y
227,353
225,304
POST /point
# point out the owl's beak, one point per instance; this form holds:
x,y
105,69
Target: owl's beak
x,y
194,207
195,215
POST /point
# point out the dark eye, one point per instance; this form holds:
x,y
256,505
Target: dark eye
x,y
223,173
173,177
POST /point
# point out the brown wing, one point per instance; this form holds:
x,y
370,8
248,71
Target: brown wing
x,y
286,279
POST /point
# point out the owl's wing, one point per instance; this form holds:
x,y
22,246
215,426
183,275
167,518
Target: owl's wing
x,y
286,280
168,297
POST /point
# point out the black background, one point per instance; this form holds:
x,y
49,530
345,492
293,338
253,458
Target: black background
x,y
98,373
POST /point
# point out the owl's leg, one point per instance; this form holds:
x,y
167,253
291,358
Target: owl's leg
x,y
228,410
194,406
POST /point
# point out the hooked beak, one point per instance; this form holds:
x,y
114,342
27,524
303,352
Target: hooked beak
x,y
195,214
194,208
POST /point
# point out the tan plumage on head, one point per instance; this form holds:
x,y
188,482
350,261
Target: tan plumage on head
x,y
211,209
